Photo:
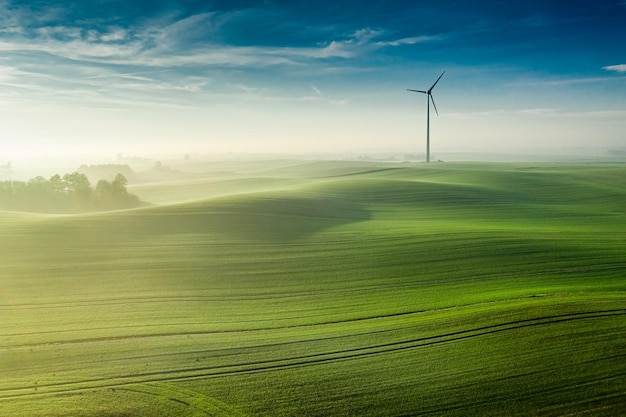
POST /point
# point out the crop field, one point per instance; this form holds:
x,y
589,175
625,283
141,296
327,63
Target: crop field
x,y
324,288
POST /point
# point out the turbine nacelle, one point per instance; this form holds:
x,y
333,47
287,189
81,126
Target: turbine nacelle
x,y
431,88
430,92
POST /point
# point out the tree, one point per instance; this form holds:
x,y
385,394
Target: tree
x,y
76,181
119,183
38,183
104,193
57,184
79,186
121,196
69,193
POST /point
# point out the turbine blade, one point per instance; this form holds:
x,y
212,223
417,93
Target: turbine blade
x,y
433,100
417,91
431,88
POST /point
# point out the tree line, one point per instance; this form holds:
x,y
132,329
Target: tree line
x,y
68,193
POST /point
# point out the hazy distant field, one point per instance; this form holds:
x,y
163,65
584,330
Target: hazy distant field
x,y
291,288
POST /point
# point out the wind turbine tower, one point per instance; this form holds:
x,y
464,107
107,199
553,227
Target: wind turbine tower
x,y
429,98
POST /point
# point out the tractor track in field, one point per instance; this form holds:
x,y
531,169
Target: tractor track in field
x,y
146,300
193,399
198,332
295,361
207,332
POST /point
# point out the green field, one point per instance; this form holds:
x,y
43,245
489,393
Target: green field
x,y
321,288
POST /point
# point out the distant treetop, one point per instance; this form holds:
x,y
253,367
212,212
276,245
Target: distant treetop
x,y
67,194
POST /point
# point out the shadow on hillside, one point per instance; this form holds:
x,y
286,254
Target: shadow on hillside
x,y
261,219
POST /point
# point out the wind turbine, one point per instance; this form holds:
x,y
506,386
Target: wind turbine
x,y
429,98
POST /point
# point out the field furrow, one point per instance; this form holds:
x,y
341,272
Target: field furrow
x,y
324,288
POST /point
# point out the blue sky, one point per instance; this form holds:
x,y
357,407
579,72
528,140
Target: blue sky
x,y
147,77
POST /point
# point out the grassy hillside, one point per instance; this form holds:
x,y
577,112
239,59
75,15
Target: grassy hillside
x,y
325,288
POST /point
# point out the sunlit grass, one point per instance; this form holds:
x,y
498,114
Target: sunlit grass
x,y
325,288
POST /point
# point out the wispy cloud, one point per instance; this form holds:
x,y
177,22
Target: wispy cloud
x,y
621,68
539,112
363,36
182,42
567,81
164,48
410,41
172,39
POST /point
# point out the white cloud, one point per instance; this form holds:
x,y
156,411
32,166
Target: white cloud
x,y
117,34
162,47
363,36
409,41
363,41
335,49
8,73
94,64
169,42
360,42
540,112
59,32
564,82
617,68
176,33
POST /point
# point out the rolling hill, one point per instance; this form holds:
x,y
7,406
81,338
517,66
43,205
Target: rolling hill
x,y
295,288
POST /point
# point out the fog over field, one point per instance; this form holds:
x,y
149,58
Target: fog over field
x,y
292,287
